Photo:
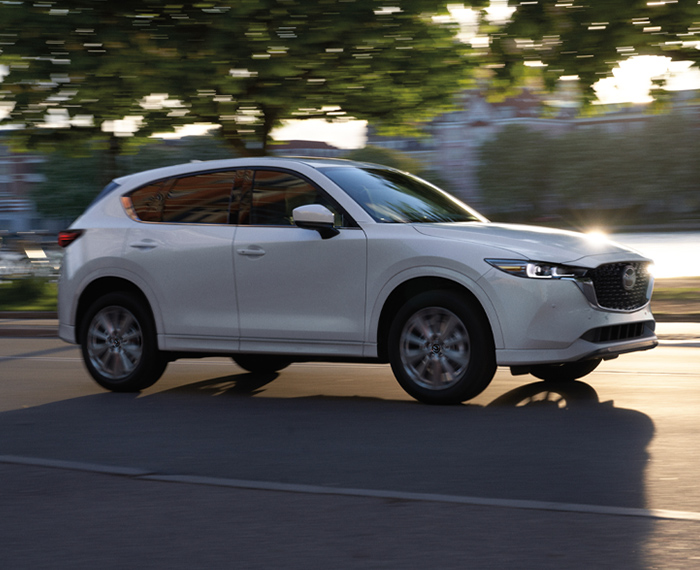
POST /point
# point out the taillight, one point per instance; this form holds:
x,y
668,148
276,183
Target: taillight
x,y
67,237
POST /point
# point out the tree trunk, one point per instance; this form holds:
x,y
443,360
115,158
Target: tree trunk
x,y
110,170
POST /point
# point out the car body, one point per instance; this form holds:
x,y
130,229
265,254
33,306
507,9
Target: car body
x,y
277,260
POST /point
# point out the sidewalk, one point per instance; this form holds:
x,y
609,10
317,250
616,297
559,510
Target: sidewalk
x,y
45,325
28,324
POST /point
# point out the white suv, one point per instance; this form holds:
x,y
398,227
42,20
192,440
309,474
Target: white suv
x,y
279,260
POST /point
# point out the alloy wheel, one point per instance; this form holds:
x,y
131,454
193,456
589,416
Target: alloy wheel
x,y
115,342
434,348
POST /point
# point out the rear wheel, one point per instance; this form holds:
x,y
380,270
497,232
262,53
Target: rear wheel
x,y
441,349
119,346
261,363
566,372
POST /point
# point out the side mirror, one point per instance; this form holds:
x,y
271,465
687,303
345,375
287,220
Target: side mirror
x,y
316,217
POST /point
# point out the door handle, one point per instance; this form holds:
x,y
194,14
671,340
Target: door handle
x,y
254,251
144,245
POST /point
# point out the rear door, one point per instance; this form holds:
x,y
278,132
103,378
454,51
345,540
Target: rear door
x,y
183,248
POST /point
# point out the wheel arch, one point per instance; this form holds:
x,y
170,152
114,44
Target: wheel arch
x,y
415,286
103,286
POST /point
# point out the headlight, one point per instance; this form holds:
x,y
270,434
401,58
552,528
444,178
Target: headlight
x,y
537,269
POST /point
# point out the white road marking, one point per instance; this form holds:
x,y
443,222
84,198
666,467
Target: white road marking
x,y
146,475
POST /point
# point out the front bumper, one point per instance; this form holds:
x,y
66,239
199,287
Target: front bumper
x,y
542,322
580,349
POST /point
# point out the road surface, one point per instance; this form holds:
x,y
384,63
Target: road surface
x,y
334,466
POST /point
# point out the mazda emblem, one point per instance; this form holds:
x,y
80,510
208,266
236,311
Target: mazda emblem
x,y
629,278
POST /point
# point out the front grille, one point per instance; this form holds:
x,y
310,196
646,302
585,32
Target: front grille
x,y
619,332
609,283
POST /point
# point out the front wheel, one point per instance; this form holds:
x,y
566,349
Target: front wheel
x,y
118,343
441,349
566,372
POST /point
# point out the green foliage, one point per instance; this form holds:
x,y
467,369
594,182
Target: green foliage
x,y
386,157
400,161
590,177
689,292
516,164
71,183
142,155
249,64
588,38
243,64
29,293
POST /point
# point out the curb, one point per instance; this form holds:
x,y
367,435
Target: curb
x,y
28,315
33,332
24,324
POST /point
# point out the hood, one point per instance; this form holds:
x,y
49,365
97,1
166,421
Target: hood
x,y
531,242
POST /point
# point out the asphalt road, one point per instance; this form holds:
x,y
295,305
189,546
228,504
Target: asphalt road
x,y
333,466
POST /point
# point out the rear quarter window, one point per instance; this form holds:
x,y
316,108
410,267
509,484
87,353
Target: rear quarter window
x,y
148,202
200,199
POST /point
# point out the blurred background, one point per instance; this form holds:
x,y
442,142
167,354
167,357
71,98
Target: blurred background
x,y
564,114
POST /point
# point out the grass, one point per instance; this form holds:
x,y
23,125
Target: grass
x,y
28,294
681,289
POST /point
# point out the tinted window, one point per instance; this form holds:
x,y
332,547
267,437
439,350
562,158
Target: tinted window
x,y
202,199
392,196
275,194
148,201
199,199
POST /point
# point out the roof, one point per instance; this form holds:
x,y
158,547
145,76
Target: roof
x,y
248,162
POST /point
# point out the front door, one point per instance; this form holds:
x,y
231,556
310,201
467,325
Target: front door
x,y
296,291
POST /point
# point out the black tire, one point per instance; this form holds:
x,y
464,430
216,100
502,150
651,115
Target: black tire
x,y
119,346
262,363
441,348
566,372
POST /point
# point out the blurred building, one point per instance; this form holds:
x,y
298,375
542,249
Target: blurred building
x,y
17,174
451,146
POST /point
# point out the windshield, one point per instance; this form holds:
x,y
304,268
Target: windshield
x,y
390,196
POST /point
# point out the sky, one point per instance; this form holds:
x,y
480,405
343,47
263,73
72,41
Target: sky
x,y
346,135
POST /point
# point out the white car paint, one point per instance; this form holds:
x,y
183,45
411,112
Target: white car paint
x,y
218,288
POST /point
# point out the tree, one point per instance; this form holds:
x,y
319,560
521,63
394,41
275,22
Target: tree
x,y
75,73
590,177
515,173
243,64
65,195
400,161
387,157
589,38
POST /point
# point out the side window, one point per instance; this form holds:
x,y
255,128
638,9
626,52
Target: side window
x,y
242,192
147,202
199,199
275,194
